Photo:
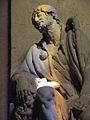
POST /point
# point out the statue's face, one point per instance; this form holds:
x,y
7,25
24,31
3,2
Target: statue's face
x,y
42,20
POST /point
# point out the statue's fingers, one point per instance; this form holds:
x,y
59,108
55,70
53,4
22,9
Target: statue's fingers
x,y
18,96
24,95
28,92
21,96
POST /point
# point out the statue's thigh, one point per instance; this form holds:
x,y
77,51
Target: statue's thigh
x,y
85,115
47,108
51,104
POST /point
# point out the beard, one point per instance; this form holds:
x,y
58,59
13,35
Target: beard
x,y
43,26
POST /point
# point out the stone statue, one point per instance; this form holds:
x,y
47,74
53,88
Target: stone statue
x,y
52,83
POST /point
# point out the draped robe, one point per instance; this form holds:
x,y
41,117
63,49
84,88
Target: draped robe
x,y
70,66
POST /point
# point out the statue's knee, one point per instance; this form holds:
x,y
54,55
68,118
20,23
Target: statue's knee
x,y
45,95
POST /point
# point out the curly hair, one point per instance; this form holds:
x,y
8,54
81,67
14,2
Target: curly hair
x,y
48,10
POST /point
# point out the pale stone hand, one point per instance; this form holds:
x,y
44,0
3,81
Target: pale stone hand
x,y
43,82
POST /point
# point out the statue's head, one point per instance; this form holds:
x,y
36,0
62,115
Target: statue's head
x,y
43,16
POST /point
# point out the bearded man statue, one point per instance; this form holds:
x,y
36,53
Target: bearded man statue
x,y
52,83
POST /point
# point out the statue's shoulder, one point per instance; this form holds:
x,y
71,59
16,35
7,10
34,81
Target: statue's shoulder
x,y
32,48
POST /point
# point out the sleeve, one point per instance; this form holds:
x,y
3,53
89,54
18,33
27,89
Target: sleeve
x,y
85,91
82,49
83,54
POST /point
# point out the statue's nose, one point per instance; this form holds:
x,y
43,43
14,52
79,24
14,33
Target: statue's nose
x,y
36,19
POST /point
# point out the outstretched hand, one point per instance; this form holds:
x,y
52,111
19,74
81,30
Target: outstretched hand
x,y
22,90
24,85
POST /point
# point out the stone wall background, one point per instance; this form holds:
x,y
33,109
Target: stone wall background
x,y
24,35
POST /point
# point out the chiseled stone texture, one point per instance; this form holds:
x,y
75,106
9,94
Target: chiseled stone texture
x,y
24,35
